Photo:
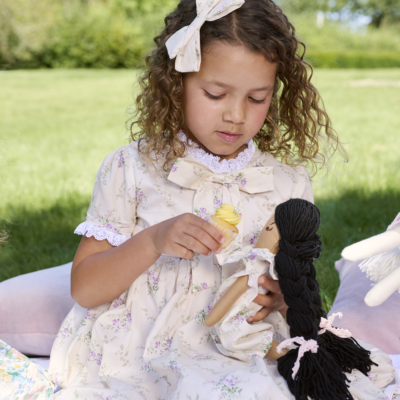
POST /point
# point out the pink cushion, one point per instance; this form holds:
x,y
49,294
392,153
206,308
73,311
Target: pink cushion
x,y
32,308
379,325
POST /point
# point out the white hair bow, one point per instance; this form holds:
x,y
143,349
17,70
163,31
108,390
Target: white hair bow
x,y
185,43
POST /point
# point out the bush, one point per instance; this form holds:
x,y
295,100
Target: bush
x,y
112,34
353,59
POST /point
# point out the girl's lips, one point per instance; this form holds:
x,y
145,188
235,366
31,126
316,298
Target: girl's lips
x,y
228,137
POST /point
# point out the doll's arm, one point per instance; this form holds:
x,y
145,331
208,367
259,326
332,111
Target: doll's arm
x,y
372,246
268,239
384,289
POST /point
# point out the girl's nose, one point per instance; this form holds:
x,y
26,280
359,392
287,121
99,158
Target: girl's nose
x,y
235,114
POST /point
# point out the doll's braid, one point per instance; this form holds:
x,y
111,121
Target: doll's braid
x,y
319,376
347,352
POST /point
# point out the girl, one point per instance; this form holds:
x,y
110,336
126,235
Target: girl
x,y
225,75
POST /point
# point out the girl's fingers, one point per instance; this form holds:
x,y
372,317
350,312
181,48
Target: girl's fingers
x,y
210,229
269,300
192,243
270,284
263,313
203,237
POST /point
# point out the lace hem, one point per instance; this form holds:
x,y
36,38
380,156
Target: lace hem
x,y
213,162
90,230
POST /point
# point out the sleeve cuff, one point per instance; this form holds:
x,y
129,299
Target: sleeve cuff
x,y
90,230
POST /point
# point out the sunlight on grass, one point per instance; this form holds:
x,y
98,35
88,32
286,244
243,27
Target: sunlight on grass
x,y
57,126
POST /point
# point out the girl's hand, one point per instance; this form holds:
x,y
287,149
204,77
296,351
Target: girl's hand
x,y
185,235
272,301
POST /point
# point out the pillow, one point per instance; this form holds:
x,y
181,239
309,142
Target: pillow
x,y
32,308
379,325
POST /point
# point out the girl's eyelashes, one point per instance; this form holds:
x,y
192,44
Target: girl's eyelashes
x,y
212,97
258,101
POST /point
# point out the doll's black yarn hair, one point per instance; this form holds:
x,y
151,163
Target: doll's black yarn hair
x,y
320,376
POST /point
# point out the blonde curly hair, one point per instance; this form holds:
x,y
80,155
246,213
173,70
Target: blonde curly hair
x,y
297,129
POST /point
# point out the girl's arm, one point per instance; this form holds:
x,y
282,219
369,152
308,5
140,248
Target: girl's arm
x,y
100,272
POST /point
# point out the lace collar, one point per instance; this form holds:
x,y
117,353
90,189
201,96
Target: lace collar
x,y
213,162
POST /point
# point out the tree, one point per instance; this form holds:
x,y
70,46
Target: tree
x,y
380,11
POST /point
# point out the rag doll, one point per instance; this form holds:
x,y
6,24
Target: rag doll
x,y
381,255
319,353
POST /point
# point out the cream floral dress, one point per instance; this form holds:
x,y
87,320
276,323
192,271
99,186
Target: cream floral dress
x,y
151,342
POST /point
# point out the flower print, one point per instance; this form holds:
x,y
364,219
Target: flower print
x,y
202,213
200,286
152,281
95,357
252,256
217,202
118,301
121,160
253,239
174,169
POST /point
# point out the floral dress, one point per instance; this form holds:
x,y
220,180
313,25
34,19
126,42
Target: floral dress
x,y
151,342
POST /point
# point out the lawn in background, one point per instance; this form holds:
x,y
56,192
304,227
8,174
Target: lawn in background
x,y
56,127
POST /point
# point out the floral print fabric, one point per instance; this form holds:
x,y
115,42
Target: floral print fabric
x,y
20,378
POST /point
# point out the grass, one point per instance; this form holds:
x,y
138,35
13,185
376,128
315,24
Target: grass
x,y
56,127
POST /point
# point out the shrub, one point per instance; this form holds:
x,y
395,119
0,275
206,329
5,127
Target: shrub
x,y
353,59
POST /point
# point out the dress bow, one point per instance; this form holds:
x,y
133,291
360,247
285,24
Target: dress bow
x,y
191,174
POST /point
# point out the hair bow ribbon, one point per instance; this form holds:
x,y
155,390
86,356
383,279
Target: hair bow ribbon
x,y
326,325
185,43
305,345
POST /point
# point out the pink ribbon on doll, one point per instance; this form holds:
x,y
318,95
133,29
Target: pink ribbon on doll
x,y
305,345
326,325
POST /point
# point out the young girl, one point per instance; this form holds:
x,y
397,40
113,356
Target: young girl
x,y
225,94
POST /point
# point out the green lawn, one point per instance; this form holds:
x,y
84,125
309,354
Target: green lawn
x,y
56,127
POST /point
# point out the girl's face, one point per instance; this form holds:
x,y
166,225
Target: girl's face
x,y
226,102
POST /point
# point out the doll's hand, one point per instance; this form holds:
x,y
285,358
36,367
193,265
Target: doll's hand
x,y
272,301
185,235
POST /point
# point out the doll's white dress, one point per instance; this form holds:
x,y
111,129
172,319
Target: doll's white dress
x,y
151,342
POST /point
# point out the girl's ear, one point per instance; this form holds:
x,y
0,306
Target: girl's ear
x,y
372,246
269,236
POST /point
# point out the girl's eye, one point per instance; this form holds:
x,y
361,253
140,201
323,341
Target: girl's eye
x,y
210,96
258,101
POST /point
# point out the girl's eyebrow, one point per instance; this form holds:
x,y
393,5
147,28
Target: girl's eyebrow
x,y
225,85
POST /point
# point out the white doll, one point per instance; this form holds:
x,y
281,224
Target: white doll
x,y
382,262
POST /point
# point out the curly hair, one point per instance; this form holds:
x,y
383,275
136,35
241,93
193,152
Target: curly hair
x,y
297,129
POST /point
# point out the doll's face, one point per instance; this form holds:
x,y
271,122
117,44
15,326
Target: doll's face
x,y
269,236
226,102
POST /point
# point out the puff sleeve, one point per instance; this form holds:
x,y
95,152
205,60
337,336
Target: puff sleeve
x,y
303,187
112,211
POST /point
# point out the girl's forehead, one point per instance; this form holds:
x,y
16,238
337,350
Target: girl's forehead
x,y
232,66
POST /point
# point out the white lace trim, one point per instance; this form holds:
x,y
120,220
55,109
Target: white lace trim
x,y
90,230
213,162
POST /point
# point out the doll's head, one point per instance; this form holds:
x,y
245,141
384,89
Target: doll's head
x,y
265,94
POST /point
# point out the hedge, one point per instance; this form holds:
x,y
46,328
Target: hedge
x,y
353,59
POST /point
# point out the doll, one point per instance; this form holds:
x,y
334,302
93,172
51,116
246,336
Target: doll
x,y
381,255
314,366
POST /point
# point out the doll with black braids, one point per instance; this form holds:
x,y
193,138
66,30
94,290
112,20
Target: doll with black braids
x,y
320,375
303,245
